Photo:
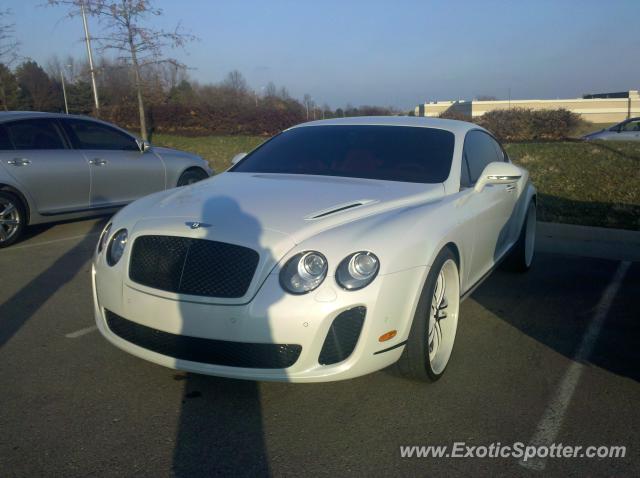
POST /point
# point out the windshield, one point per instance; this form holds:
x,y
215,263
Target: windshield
x,y
390,153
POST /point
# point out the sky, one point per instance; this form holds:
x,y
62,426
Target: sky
x,y
393,53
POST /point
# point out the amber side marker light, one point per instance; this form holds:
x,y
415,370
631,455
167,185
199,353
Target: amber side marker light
x,y
388,336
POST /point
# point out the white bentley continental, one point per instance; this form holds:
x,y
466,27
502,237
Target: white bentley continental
x,y
334,249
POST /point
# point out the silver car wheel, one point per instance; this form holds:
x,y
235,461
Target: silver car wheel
x,y
9,219
443,316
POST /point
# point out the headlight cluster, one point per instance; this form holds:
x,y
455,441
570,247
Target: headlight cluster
x,y
306,270
357,270
115,245
103,238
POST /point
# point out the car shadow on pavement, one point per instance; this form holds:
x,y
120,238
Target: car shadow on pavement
x,y
19,308
555,301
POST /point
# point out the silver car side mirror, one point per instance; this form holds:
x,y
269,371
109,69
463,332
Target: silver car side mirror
x,y
144,146
498,172
238,157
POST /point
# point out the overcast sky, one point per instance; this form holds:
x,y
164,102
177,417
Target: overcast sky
x,y
398,52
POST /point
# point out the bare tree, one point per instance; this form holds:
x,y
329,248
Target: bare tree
x,y
306,101
137,45
8,44
235,82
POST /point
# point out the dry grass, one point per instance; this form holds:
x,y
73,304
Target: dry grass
x,y
594,184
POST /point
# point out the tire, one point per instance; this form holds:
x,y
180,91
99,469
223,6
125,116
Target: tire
x,y
430,343
521,256
191,176
13,218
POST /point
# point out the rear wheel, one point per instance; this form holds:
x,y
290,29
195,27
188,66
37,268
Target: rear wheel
x,y
191,176
12,218
435,323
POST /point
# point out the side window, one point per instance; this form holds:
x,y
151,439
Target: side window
x,y
465,180
35,134
93,135
502,155
5,142
480,150
632,126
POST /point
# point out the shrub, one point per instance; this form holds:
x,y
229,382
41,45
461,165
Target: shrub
x,y
454,115
521,124
268,118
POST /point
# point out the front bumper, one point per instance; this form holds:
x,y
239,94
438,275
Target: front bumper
x,y
271,317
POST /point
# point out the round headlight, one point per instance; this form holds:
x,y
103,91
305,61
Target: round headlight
x,y
357,270
102,242
116,247
303,272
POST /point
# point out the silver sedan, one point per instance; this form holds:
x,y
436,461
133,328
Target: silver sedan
x,y
57,167
628,130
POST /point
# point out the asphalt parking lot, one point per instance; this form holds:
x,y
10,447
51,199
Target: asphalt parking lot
x,y
550,355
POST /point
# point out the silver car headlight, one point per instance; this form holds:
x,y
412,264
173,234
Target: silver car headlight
x,y
116,248
303,272
357,270
102,242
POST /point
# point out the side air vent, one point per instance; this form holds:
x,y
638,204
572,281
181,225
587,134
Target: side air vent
x,y
337,208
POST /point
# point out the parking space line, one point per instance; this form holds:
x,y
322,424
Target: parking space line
x,y
549,427
81,332
46,243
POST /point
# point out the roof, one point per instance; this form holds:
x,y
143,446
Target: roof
x,y
20,115
13,115
454,126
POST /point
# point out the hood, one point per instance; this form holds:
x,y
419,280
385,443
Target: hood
x,y
293,205
270,213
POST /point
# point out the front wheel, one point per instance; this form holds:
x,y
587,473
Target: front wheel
x,y
191,176
435,322
12,219
521,256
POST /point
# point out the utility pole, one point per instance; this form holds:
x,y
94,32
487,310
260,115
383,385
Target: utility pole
x,y
64,93
90,55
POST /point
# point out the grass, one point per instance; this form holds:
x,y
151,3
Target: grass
x,y
593,184
589,183
218,150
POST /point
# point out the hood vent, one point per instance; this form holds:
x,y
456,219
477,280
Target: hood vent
x,y
337,208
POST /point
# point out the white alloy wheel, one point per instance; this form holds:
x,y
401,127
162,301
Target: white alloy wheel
x,y
443,317
530,235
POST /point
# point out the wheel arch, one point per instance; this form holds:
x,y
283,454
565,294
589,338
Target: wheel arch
x,y
191,168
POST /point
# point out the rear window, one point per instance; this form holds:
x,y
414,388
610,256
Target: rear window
x,y
390,153
5,142
35,134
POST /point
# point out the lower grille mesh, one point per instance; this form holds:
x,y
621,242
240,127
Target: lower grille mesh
x,y
196,349
342,336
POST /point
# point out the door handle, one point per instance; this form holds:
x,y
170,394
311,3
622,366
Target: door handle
x,y
19,162
98,162
510,188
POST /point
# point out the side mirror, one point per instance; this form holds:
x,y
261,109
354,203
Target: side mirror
x,y
238,157
498,173
143,145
